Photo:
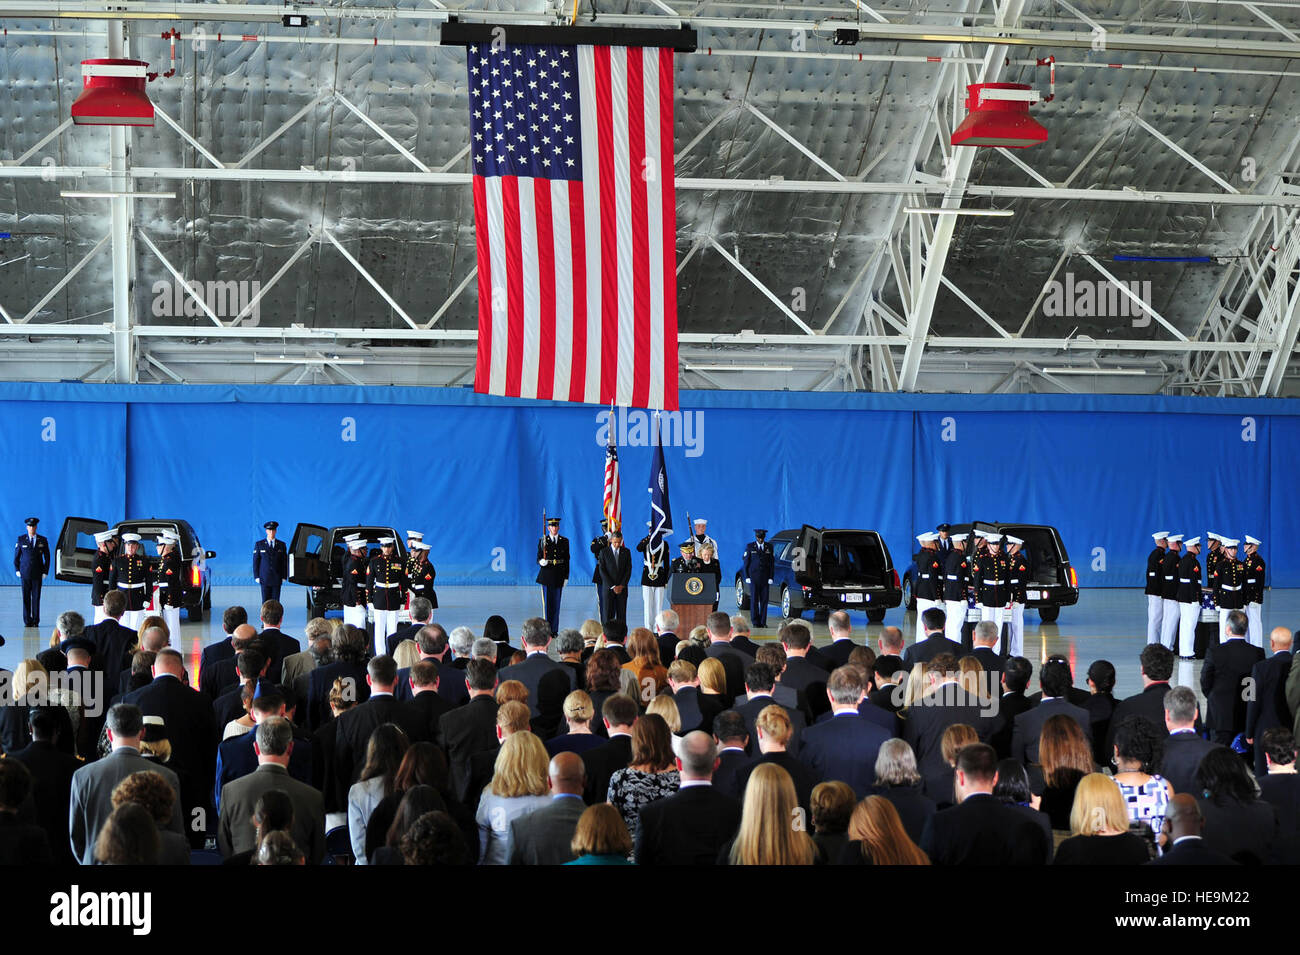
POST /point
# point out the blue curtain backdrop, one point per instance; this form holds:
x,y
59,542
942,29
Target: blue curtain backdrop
x,y
474,473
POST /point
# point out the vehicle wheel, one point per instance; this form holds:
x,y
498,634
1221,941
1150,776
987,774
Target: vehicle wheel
x,y
787,611
194,614
877,614
742,601
1048,614
909,599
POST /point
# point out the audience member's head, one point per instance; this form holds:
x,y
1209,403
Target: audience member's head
x,y
1063,752
1279,749
1224,777
601,832
652,744
729,730
521,767
896,764
604,672
697,755
932,620
511,691
1098,808
766,836
1101,676
1013,783
578,709
1157,663
1016,673
150,790
1138,745
831,805
976,770
1180,708
434,839
878,828
129,837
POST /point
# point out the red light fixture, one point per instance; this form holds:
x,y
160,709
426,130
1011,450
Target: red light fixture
x,y
999,116
113,94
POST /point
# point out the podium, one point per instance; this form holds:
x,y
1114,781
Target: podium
x,y
691,596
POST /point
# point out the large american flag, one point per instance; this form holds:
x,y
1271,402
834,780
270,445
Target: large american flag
x,y
574,209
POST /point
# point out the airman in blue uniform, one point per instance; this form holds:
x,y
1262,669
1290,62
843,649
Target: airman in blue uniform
x,y
31,564
270,563
758,565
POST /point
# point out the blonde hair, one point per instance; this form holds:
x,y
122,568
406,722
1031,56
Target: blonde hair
x,y
643,647
578,707
713,676
511,690
601,832
971,677
775,723
1098,807
513,716
682,671
27,675
665,706
914,688
591,630
767,834
699,636
406,655
520,768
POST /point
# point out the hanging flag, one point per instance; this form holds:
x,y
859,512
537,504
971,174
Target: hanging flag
x,y
613,509
575,218
661,518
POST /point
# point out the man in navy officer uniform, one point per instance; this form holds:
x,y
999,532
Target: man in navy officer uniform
x,y
1254,592
759,564
598,545
353,594
169,587
133,576
387,584
420,573
31,564
553,564
270,563
101,570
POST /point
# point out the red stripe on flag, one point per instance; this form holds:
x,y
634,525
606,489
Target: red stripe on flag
x,y
546,286
636,132
668,195
514,284
483,366
608,227
578,250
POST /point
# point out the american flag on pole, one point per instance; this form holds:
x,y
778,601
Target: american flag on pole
x,y
613,508
575,217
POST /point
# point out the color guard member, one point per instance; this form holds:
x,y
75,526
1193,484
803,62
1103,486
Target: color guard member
x,y
1155,586
134,577
386,583
1254,592
553,561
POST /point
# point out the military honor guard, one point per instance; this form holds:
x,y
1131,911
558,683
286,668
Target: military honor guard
x,y
758,566
1189,598
1017,583
598,545
31,564
420,572
553,570
1170,612
270,563
387,584
1254,592
1229,582
701,538
101,571
354,595
928,588
989,574
1155,586
134,577
169,586
654,579
956,582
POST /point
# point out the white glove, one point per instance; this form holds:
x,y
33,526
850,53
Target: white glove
x,y
257,580
769,580
747,580
541,563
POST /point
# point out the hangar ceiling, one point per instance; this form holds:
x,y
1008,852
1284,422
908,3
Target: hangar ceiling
x,y
325,168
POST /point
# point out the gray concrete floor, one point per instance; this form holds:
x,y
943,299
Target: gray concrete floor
x,y
1105,624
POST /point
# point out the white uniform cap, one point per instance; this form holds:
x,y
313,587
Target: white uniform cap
x,y
957,537
1191,541
1175,538
127,538
387,540
1215,537
700,520
1251,540
1014,540
419,545
927,537
414,536
1228,542
103,537
1159,535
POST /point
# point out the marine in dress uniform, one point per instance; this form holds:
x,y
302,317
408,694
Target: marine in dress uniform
x,y
169,587
758,565
1229,582
1170,613
270,563
1189,598
1154,586
654,579
989,574
134,577
100,572
553,564
928,588
353,593
31,564
956,582
1017,581
1254,592
421,574
387,584
598,544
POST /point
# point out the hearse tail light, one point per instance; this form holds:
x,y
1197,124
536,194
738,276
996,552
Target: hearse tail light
x,y
196,576
896,583
1074,578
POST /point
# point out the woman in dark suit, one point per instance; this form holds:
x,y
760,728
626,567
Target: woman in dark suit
x,y
898,781
1237,822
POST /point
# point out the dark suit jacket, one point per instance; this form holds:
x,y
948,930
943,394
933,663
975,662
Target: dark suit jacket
x,y
809,680
230,705
278,646
423,713
1182,758
542,836
914,807
1192,851
15,733
23,844
688,708
667,647
405,631
601,763
548,684
924,725
730,763
923,651
689,827
887,697
844,748
1267,708
1149,703
1226,666
221,650
113,644
322,679
217,677
750,710
982,831
1010,705
192,731
356,726
1073,695
615,569
743,644
990,661
236,832
1100,706
1029,726
800,775
1243,831
837,654
467,730
734,662
451,683
52,792
236,758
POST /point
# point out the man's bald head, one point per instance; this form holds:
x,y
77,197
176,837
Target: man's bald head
x,y
1280,639
153,639
169,661
697,755
244,632
79,656
568,775
1184,817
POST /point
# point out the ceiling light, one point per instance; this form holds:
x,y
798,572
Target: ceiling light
x,y
739,368
282,360
1077,370
959,211
82,194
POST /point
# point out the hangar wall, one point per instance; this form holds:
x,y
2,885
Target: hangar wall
x,y
474,473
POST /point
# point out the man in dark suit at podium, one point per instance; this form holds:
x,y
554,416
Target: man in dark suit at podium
x,y
615,567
